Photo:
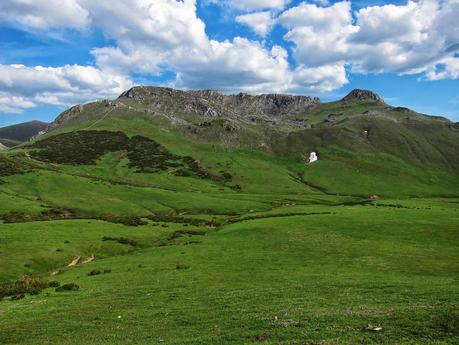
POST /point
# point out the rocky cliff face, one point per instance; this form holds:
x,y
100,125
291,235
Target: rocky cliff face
x,y
213,104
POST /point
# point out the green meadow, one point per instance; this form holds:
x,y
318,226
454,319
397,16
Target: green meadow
x,y
231,246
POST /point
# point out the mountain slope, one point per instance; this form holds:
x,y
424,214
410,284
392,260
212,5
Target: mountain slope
x,y
16,134
394,150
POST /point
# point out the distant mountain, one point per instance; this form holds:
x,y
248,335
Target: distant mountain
x,y
284,124
16,134
365,146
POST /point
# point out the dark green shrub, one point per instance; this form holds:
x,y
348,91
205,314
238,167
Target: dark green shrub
x,y
24,285
128,221
82,147
94,273
17,297
9,166
182,267
121,240
226,176
68,287
181,233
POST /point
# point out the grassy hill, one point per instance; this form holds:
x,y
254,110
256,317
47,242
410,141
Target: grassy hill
x,y
182,221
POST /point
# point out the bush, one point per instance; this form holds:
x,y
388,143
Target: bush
x,y
94,273
121,240
182,267
236,187
54,284
18,297
226,176
24,285
181,233
68,287
9,166
82,147
128,221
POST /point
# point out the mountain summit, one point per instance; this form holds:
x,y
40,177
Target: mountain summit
x,y
363,95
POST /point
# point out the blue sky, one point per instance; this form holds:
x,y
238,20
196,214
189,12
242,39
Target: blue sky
x,y
56,54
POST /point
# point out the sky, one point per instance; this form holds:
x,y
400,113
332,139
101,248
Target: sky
x,y
57,53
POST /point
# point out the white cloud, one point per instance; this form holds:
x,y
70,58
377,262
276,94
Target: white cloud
x,y
14,104
23,87
251,5
322,78
43,14
165,35
402,39
319,33
446,68
151,37
170,37
320,18
260,22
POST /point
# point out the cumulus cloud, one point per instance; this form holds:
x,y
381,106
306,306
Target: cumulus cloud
x,y
23,87
260,22
252,5
166,35
446,68
43,14
402,39
14,104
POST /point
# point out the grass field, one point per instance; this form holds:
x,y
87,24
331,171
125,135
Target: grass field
x,y
298,279
248,247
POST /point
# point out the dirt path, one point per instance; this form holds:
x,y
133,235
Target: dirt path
x,y
74,262
89,259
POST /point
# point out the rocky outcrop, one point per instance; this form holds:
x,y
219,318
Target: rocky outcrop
x,y
65,116
362,96
213,104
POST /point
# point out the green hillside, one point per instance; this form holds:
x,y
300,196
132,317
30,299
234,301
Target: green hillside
x,y
192,218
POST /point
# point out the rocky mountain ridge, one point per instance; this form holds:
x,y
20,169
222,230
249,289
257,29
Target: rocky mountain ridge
x,y
214,104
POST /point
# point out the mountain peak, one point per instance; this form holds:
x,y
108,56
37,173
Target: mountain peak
x,y
363,95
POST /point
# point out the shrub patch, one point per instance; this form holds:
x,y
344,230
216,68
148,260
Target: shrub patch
x,y
145,154
68,287
121,240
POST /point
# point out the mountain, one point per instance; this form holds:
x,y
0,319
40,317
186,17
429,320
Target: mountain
x,y
194,217
14,135
281,124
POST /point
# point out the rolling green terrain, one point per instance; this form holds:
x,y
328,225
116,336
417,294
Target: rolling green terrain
x,y
168,217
